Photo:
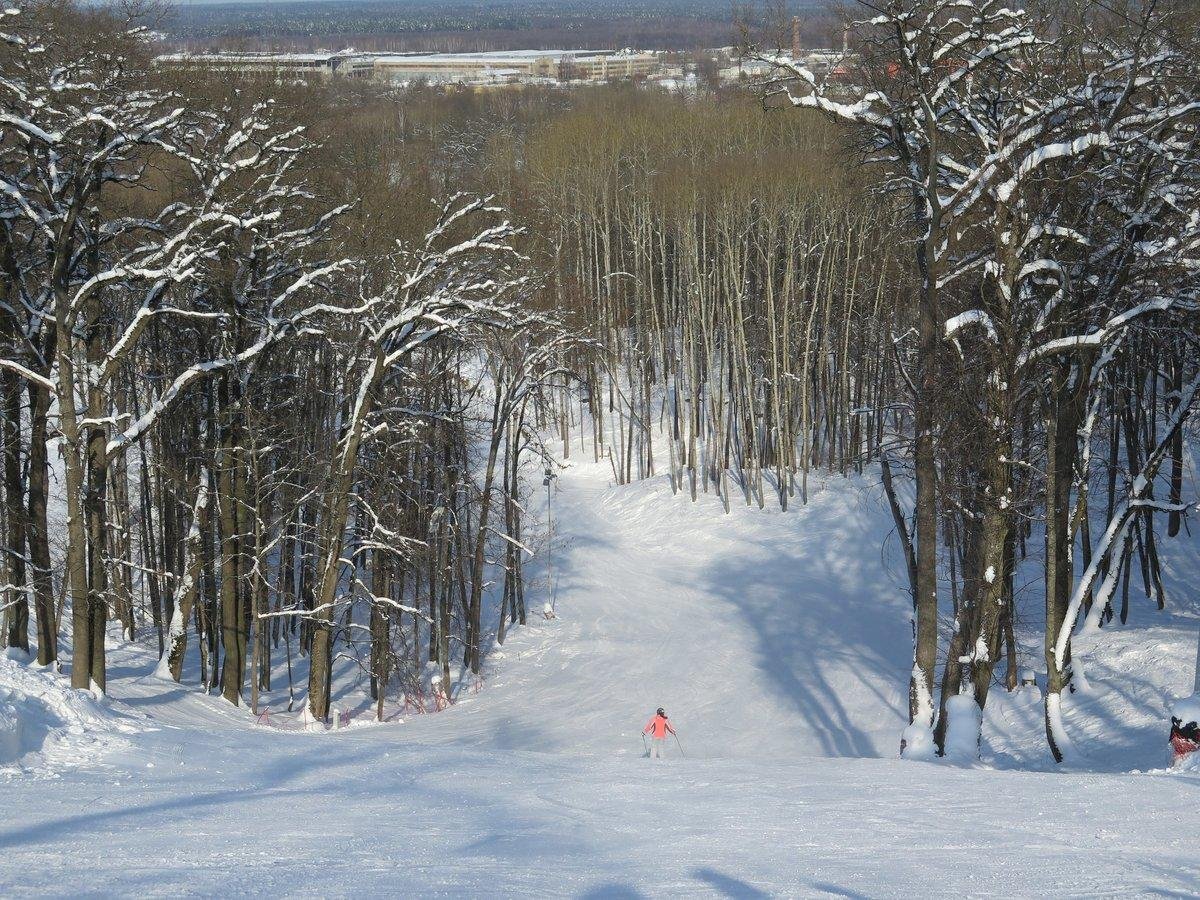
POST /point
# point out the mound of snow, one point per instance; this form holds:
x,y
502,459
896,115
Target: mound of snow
x,y
918,743
46,726
962,731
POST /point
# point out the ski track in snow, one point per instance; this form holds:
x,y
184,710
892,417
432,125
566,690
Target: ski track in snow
x,y
779,645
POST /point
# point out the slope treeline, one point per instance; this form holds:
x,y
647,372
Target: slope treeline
x,y
302,346
739,294
1046,165
265,395
299,376
999,305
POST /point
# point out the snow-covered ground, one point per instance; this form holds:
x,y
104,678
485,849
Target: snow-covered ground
x,y
778,643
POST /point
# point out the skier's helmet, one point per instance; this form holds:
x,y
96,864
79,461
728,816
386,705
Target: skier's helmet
x,y
661,713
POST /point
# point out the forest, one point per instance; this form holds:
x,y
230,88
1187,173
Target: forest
x,y
285,365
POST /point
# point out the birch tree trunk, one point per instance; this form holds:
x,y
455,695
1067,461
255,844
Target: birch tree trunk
x,y
188,584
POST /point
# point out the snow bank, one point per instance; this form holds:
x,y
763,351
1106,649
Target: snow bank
x,y
46,726
917,741
962,729
1190,765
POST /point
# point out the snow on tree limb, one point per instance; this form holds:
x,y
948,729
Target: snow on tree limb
x,y
977,317
1101,335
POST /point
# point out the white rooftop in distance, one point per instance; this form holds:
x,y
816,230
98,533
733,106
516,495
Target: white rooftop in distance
x,y
499,56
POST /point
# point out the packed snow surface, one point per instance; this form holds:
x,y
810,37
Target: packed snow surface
x,y
779,644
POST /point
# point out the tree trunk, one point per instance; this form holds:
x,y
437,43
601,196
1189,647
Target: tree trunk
x,y
189,581
233,639
333,527
1062,425
38,532
14,493
920,694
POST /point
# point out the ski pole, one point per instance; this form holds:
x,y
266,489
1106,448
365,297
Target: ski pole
x,y
644,747
681,753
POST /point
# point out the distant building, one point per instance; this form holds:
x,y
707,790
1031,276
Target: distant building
x,y
347,64
752,70
454,68
833,65
516,65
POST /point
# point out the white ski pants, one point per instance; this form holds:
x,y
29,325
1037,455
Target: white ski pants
x,y
656,747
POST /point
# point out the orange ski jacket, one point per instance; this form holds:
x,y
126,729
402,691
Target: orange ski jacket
x,y
658,727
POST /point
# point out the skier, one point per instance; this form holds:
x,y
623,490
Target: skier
x,y
657,728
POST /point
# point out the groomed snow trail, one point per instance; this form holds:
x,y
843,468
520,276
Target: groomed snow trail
x,y
763,634
778,643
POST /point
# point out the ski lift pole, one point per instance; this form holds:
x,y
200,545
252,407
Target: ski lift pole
x,y
547,481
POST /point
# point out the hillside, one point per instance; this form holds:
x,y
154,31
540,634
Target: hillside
x,y
778,642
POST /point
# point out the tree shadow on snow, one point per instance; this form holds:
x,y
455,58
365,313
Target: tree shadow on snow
x,y
838,891
728,886
831,629
269,778
613,892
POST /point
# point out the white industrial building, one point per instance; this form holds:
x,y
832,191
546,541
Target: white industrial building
x,y
448,68
323,65
515,65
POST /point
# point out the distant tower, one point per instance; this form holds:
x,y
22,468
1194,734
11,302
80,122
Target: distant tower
x,y
795,37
